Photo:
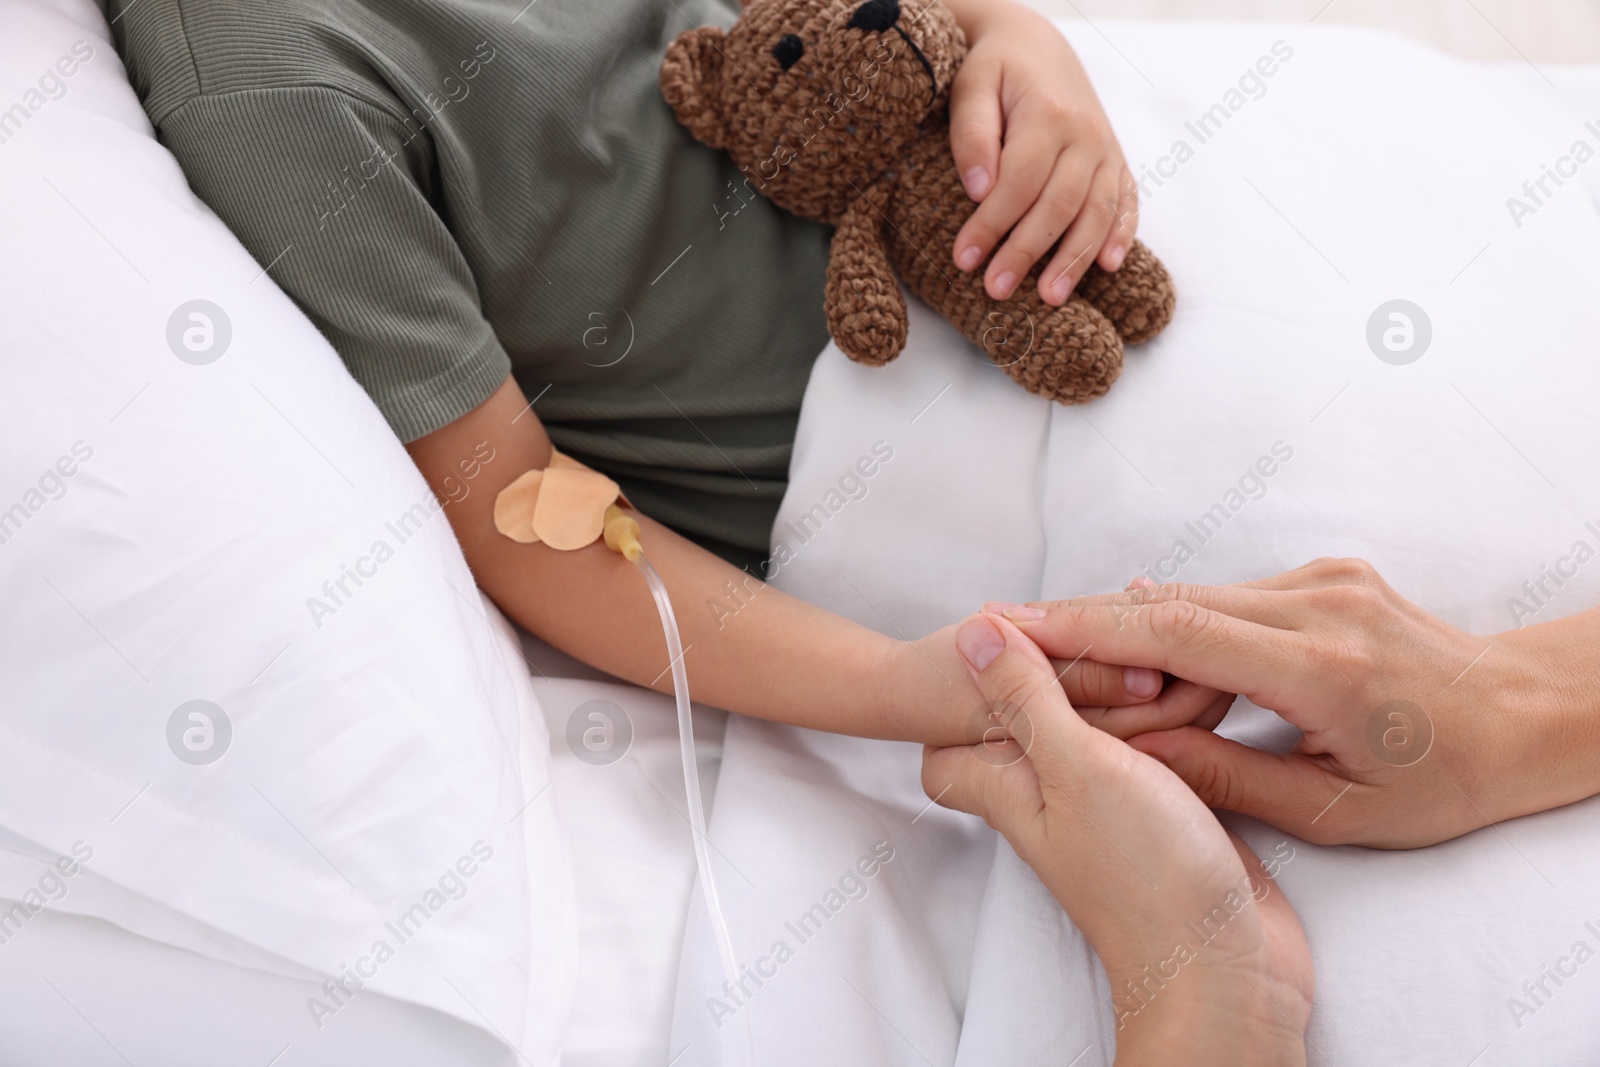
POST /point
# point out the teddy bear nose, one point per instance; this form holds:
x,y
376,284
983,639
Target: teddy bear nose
x,y
875,15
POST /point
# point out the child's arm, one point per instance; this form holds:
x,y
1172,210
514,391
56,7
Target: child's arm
x,y
778,658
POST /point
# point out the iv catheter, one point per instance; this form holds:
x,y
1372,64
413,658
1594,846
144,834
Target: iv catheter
x,y
560,505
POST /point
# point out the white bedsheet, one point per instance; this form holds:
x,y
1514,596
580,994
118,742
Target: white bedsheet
x,y
634,872
77,991
631,852
1366,170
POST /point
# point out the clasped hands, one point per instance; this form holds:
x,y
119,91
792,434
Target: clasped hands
x,y
1413,732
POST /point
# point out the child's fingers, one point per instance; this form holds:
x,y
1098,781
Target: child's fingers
x,y
1212,717
1061,200
975,126
991,780
948,778
1104,685
1025,164
1180,704
1087,234
1120,240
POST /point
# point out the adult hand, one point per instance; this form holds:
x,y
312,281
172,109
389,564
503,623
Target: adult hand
x,y
1414,731
1136,860
1035,150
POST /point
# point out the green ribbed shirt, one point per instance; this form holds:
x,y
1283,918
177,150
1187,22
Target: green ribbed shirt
x,y
454,190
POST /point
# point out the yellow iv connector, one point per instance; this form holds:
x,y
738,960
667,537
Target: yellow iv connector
x,y
622,533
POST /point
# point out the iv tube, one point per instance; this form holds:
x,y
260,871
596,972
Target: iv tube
x,y
691,771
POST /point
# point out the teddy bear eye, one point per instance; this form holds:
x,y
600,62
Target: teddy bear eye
x,y
788,50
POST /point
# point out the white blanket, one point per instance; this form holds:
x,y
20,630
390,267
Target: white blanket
x,y
1362,170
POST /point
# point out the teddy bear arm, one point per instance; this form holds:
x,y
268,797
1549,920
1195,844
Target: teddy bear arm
x,y
866,310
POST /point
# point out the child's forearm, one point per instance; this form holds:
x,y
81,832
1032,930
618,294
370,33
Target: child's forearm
x,y
776,657
980,18
972,15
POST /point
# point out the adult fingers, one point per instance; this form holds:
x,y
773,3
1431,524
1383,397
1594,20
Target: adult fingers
x,y
1084,238
1278,608
1209,647
1290,792
975,127
1318,574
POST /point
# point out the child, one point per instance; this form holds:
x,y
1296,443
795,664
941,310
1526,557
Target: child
x,y
492,215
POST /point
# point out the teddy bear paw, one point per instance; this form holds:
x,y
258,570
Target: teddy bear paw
x,y
1138,298
1071,354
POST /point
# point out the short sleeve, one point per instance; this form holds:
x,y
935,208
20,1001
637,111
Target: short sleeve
x,y
332,195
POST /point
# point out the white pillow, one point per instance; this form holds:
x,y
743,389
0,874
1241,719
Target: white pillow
x,y
1459,470
232,522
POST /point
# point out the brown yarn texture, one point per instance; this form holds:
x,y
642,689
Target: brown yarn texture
x,y
838,112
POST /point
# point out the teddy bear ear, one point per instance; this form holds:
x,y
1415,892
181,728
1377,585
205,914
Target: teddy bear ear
x,y
691,78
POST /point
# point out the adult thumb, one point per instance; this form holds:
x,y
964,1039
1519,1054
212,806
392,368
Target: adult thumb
x,y
1020,691
1290,792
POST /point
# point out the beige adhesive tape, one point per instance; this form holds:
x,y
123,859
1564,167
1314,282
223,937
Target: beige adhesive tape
x,y
571,508
563,505
513,508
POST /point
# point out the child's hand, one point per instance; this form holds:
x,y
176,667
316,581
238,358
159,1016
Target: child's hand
x,y
1035,149
930,698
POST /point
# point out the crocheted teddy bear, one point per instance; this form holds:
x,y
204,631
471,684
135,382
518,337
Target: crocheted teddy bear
x,y
837,110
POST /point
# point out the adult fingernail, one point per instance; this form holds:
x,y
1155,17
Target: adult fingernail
x,y
1004,284
979,642
976,179
1141,681
1118,254
969,257
1061,287
1014,612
